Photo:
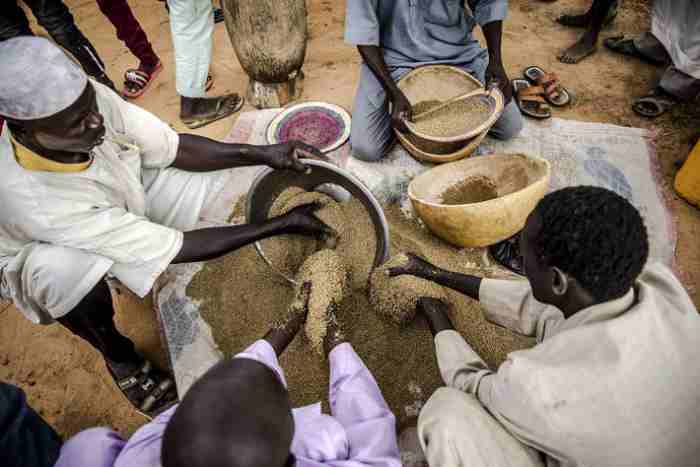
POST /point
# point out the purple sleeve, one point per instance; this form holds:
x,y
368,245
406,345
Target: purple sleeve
x,y
143,448
96,447
357,403
261,351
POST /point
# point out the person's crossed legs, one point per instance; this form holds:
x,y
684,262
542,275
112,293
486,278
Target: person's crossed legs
x,y
372,135
455,429
54,280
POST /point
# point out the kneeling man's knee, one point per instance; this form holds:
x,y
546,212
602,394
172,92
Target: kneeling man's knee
x,y
365,149
510,124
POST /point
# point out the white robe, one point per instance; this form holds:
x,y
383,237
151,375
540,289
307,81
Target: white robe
x,y
61,233
614,385
676,24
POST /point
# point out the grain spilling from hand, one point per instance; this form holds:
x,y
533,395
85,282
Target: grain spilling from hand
x,y
326,273
397,297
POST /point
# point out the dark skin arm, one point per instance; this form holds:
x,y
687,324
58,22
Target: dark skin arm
x,y
401,109
493,32
280,337
416,266
200,154
206,244
436,313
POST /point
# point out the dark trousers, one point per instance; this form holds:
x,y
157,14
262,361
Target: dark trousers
x,y
129,30
26,440
55,17
93,320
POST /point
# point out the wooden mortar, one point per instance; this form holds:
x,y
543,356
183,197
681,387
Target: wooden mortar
x,y
269,38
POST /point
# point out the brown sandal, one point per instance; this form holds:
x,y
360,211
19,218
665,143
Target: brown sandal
x,y
530,100
554,92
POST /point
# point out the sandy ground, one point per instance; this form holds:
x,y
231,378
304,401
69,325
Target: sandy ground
x,y
67,382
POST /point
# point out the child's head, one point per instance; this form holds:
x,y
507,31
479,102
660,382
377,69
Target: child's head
x,y
583,240
237,415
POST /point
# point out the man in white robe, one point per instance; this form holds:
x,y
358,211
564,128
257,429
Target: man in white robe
x,y
93,187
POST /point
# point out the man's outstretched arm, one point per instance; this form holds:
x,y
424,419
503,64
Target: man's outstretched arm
x,y
508,303
416,266
201,154
206,244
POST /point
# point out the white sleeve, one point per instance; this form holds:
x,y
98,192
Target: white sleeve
x,y
460,366
140,249
510,303
157,141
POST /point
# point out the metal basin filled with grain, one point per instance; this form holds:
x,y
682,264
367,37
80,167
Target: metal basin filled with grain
x,y
432,85
326,178
481,201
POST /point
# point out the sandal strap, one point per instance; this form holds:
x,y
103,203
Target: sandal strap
x,y
137,77
136,378
156,394
550,83
533,93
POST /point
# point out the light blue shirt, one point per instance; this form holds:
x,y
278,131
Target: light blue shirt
x,y
421,32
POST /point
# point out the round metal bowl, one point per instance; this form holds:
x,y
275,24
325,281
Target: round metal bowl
x,y
324,177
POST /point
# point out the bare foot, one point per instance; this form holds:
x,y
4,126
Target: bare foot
x,y
580,50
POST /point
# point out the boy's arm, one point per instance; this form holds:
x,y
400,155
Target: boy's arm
x,y
506,303
460,366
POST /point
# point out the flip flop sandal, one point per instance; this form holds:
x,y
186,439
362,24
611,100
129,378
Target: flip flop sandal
x,y
155,390
554,92
137,81
620,45
507,254
654,104
218,15
221,112
530,100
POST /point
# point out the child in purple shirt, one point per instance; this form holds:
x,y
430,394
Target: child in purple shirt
x,y
239,414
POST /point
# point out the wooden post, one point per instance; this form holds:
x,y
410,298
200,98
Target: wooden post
x,y
269,37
